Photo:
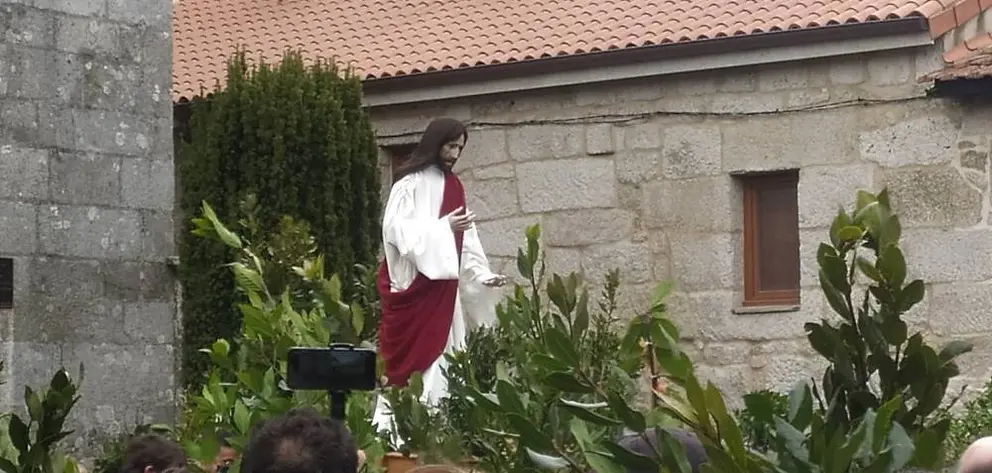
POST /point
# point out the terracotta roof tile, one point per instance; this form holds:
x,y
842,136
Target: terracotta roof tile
x,y
968,48
976,65
382,38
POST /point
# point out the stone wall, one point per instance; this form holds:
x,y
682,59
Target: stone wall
x,y
86,202
636,175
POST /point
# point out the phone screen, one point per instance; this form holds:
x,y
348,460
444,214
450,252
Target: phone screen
x,y
331,369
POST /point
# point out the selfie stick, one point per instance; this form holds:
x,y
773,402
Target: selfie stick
x,y
338,398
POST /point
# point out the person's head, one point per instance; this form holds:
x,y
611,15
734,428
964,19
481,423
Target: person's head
x,y
300,441
226,455
694,450
152,453
977,458
441,145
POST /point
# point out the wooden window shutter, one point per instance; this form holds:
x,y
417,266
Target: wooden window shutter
x,y
771,239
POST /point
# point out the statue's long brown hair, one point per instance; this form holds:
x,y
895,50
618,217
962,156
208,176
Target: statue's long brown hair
x,y
428,151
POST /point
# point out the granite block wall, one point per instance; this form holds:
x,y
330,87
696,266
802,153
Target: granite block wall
x,y
86,205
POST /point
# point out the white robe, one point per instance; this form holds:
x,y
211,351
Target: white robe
x,y
416,240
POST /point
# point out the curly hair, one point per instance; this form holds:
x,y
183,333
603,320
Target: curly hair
x,y
152,450
301,441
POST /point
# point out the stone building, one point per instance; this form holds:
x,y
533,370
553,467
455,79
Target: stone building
x,y
710,145
86,201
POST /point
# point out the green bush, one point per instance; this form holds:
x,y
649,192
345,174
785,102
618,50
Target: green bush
x,y
34,446
422,429
848,424
871,339
757,419
563,410
297,139
475,366
514,363
247,373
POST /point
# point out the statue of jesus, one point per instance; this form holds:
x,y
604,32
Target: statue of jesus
x,y
435,283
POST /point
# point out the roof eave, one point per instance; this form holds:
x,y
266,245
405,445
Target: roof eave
x,y
914,27
971,88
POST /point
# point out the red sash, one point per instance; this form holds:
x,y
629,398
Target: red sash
x,y
415,322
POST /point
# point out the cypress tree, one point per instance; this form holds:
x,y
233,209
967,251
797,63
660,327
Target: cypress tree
x,y
295,136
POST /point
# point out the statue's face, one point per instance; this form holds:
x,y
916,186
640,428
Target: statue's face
x,y
451,151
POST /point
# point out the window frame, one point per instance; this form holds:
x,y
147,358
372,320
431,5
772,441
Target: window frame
x,y
398,154
752,185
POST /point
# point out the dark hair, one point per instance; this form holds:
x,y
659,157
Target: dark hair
x,y
694,450
152,450
301,441
427,153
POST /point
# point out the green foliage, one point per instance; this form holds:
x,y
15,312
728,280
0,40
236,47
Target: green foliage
x,y
972,423
366,295
32,446
246,382
297,139
805,435
871,339
528,381
803,440
475,366
757,419
419,427
559,397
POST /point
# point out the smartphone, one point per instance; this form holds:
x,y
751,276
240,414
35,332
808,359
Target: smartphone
x,y
335,368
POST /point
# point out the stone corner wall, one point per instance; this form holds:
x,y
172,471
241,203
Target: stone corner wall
x,y
86,202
